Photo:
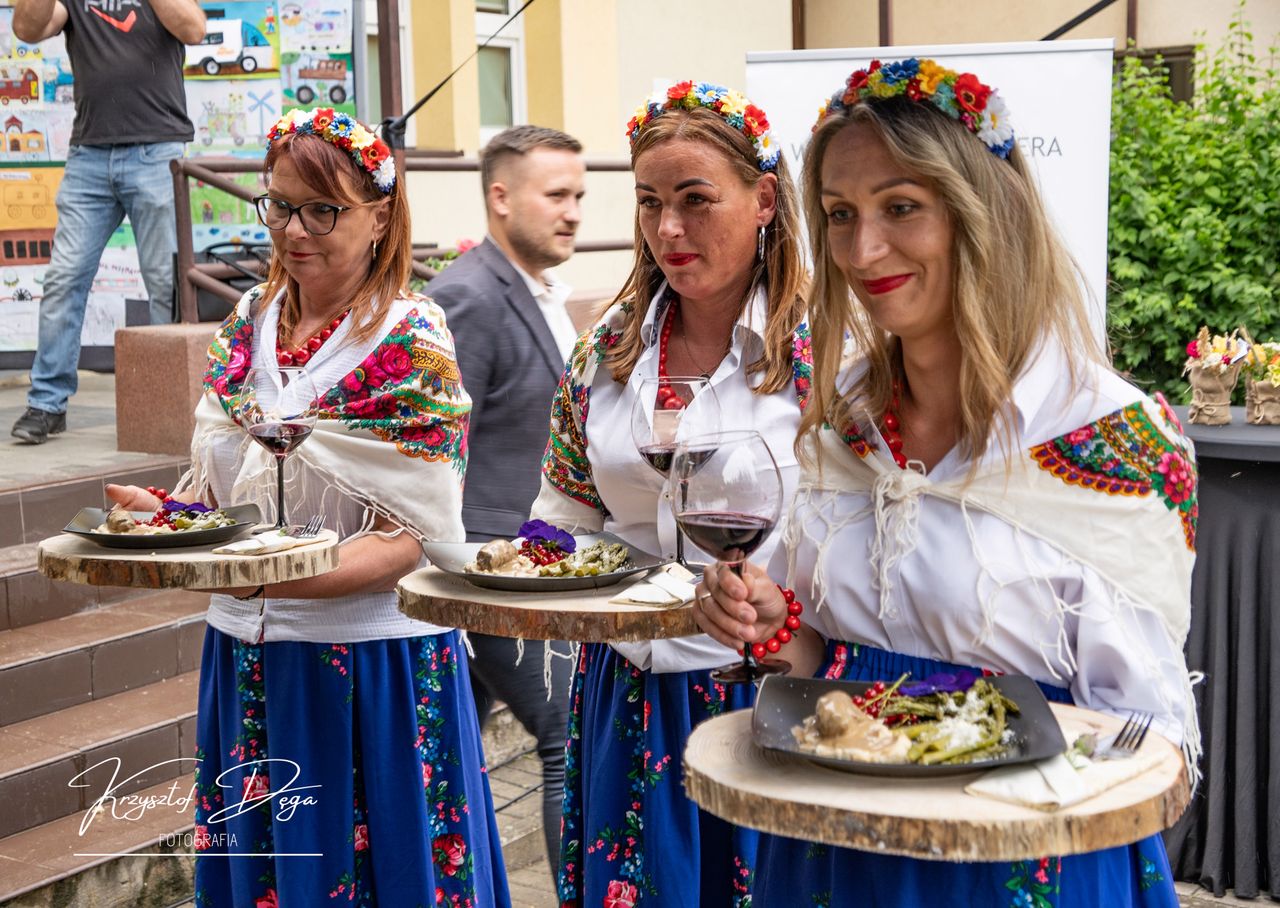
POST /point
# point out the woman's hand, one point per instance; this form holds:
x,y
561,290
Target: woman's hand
x,y
735,610
132,498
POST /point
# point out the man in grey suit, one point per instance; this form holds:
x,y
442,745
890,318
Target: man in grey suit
x,y
512,336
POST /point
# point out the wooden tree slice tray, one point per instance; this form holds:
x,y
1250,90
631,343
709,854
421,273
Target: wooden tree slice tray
x,y
586,616
728,775
77,560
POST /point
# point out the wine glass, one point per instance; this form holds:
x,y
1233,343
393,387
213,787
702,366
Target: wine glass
x,y
730,500
667,410
280,416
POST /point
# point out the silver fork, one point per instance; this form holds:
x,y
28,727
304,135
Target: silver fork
x,y
312,528
1129,739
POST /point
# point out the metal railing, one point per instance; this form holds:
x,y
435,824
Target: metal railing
x,y
192,276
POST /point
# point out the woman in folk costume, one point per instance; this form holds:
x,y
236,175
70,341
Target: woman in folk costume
x,y
321,687
717,289
979,489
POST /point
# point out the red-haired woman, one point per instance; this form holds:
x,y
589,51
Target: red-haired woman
x,y
352,768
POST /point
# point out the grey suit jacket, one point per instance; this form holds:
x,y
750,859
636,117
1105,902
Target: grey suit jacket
x,y
510,366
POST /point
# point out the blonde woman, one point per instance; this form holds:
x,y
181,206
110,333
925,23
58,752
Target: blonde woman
x,y
980,490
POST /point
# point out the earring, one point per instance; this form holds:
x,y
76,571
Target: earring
x,y
760,245
375,249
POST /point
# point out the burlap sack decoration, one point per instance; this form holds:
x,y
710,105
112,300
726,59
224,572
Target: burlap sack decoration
x,y
1262,403
1211,389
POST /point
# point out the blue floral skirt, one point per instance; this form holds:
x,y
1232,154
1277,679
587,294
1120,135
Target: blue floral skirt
x,y
630,836
353,774
792,873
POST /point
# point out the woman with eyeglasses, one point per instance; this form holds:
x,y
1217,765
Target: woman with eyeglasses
x,y
353,770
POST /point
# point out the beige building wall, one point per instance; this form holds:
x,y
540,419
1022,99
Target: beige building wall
x,y
676,39
1161,23
1165,23
443,33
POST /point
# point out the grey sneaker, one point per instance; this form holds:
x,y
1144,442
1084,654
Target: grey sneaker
x,y
35,426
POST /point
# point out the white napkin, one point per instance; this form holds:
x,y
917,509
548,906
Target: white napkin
x,y
1061,781
669,586
263,544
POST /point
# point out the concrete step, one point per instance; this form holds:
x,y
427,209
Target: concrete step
x,y
60,763
50,665
99,862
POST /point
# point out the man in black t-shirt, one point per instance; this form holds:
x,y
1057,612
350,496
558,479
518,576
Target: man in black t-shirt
x,y
131,121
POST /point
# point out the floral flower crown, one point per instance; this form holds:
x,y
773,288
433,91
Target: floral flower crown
x,y
733,106
960,96
368,151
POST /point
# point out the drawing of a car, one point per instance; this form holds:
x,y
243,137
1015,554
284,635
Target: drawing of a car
x,y
19,83
230,42
328,77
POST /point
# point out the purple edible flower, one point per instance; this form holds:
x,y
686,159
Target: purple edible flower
x,y
194,507
539,531
942,682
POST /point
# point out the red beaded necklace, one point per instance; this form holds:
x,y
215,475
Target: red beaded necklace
x,y
303,352
668,399
891,426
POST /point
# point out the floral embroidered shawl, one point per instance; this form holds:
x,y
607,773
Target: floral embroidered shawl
x,y
392,427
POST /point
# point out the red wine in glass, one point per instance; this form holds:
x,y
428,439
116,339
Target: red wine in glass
x,y
280,438
730,494
658,456
730,536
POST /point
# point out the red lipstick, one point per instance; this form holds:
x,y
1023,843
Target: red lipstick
x,y
885,284
678,259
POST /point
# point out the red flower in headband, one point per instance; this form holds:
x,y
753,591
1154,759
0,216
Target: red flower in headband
x,y
755,120
857,80
913,90
679,90
375,154
323,117
971,94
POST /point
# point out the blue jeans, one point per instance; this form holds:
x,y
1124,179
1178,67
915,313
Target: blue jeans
x,y
101,184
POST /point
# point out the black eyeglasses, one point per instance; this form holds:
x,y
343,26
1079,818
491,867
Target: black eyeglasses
x,y
317,218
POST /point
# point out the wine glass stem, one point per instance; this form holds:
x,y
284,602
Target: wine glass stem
x,y
749,665
280,521
684,503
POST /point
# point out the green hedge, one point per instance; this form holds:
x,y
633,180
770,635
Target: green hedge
x,y
1195,208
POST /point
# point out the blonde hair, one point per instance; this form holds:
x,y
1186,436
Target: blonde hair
x,y
319,164
1015,283
781,270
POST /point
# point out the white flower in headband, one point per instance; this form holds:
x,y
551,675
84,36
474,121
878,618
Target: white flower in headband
x,y
369,152
733,106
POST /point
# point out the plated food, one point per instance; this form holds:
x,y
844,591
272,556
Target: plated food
x,y
542,559
182,527
170,517
941,725
543,550
956,720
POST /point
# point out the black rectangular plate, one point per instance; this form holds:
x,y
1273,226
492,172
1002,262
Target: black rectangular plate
x,y
783,702
452,557
86,523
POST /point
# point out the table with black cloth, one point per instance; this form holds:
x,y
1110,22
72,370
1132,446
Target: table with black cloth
x,y
1229,837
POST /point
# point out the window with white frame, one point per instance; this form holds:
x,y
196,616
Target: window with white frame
x,y
500,68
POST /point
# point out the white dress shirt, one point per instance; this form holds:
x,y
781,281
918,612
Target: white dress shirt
x,y
637,497
550,293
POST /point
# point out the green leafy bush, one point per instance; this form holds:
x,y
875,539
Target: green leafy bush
x,y
1195,208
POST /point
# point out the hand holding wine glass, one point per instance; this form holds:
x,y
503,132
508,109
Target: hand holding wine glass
x,y
280,417
730,493
667,410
